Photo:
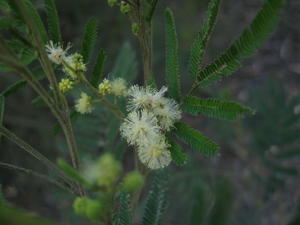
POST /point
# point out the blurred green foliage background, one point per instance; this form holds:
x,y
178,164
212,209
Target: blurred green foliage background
x,y
259,164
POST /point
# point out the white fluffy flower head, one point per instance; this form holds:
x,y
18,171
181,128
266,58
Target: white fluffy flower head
x,y
84,104
167,113
56,53
155,154
139,127
144,98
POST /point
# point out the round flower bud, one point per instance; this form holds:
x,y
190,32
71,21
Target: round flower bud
x,y
125,8
110,170
133,181
94,209
79,205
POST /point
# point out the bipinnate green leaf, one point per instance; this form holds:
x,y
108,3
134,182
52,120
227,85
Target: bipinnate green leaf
x,y
215,108
156,201
53,21
196,140
178,156
89,39
244,46
172,58
122,214
98,68
200,43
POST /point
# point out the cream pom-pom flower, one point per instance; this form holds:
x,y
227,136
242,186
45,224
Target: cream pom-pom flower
x,y
155,154
144,98
56,53
84,104
139,127
167,113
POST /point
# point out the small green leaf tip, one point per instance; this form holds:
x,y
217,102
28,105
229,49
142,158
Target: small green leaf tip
x,y
125,8
133,181
135,29
112,3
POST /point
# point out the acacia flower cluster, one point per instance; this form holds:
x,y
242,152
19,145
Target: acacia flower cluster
x,y
72,65
150,116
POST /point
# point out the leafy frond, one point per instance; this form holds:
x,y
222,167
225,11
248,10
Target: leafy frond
x,y
251,38
122,214
37,19
172,58
200,43
89,39
24,11
178,156
196,140
156,201
53,21
215,108
98,68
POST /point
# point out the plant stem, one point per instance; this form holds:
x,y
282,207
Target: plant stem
x,y
29,149
145,40
34,173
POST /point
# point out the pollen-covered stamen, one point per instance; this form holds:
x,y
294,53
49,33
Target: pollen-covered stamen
x,y
56,53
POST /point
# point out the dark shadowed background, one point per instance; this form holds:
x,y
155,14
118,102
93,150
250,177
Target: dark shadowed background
x,y
260,155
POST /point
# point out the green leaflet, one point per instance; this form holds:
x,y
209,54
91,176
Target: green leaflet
x,y
215,108
14,88
172,58
89,39
156,201
72,173
2,106
178,156
98,68
251,38
122,215
200,43
53,21
196,140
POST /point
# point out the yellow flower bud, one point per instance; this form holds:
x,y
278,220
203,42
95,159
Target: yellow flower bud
x,y
65,85
105,87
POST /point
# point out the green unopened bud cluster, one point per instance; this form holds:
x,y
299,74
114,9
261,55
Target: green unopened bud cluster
x,y
125,8
135,29
133,181
89,208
